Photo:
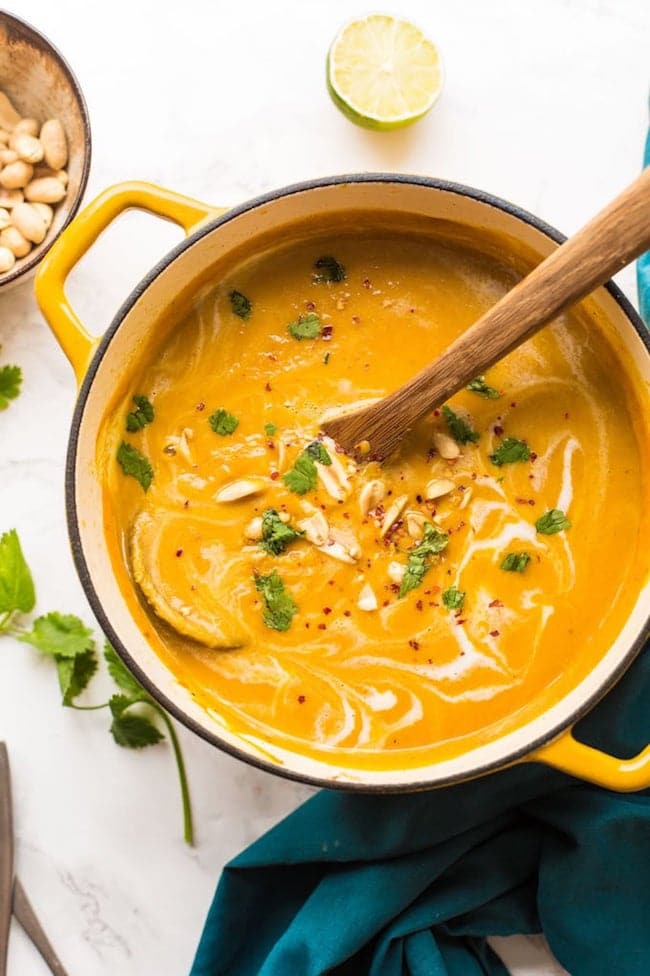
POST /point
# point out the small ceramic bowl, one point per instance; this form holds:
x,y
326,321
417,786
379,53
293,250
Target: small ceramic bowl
x,y
40,84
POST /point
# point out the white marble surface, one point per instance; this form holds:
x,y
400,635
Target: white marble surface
x,y
545,104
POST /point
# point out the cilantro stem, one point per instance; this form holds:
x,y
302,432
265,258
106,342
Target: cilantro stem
x,y
87,708
5,618
188,829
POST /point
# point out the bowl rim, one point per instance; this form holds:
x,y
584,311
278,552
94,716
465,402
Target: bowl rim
x,y
85,576
13,276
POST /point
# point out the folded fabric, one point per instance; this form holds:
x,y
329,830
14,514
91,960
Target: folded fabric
x,y
350,885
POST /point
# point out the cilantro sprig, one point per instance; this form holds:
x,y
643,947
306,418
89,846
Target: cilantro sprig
x,y
135,465
276,534
305,327
240,305
419,559
303,476
222,422
459,429
509,451
453,598
515,562
280,605
479,385
328,269
141,416
65,639
552,521
11,378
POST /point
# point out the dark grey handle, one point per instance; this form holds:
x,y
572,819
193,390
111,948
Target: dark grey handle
x,y
27,918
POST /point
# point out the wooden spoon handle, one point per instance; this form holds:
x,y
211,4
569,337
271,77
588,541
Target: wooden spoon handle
x,y
617,235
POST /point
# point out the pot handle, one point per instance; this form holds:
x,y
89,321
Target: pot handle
x,y
594,766
75,340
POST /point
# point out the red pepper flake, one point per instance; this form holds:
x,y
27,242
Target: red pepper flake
x,y
566,416
385,603
436,413
429,660
270,445
459,622
272,357
179,552
367,283
414,644
419,605
494,633
513,404
419,499
327,610
200,406
326,334
356,319
533,456
394,587
301,699
431,453
330,582
521,501
322,626
275,475
411,310
186,503
268,387
307,625
347,613
497,430
346,515
495,603
310,306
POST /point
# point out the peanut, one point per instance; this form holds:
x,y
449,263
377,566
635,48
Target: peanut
x,y
46,189
5,218
14,240
16,175
27,147
446,446
46,212
7,259
30,223
8,156
9,198
54,144
9,117
30,126
438,487
57,174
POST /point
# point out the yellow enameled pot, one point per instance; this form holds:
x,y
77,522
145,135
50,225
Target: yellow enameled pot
x,y
99,364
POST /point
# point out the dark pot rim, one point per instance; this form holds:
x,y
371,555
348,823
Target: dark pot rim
x,y
516,755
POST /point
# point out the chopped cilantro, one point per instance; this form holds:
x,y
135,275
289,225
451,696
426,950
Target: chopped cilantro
x,y
326,358
10,379
328,268
515,562
223,422
433,542
453,598
135,464
276,534
270,430
459,429
16,584
510,450
240,305
303,476
318,453
478,385
551,522
305,327
140,417
280,605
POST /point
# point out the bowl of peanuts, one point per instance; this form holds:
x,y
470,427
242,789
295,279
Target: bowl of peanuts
x,y
45,147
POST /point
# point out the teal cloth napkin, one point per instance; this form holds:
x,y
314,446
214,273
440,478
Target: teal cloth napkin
x,y
353,885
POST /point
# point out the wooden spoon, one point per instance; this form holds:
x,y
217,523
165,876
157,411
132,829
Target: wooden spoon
x,y
617,235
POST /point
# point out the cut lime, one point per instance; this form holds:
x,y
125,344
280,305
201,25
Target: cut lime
x,y
383,73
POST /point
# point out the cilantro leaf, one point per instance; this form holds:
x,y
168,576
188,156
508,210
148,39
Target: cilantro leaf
x,y
74,674
130,730
135,465
280,605
453,598
223,422
328,268
509,451
270,430
121,674
433,542
552,521
303,476
459,429
16,584
316,451
478,385
240,305
10,379
305,327
60,634
140,417
515,562
276,534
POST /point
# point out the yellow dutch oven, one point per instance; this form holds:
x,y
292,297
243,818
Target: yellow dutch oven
x,y
99,364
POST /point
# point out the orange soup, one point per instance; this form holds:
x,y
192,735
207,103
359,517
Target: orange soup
x,y
382,611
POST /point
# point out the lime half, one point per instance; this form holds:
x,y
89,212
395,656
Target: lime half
x,y
383,73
